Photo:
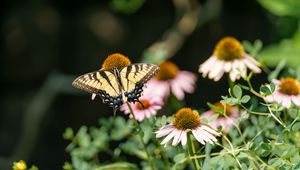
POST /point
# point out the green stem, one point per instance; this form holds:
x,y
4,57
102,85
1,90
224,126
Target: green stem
x,y
252,90
192,151
141,136
276,118
161,149
237,127
253,112
164,156
231,151
230,82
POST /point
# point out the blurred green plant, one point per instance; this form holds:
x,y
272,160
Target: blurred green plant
x,y
286,49
126,6
282,7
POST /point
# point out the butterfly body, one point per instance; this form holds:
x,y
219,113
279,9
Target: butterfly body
x,y
117,86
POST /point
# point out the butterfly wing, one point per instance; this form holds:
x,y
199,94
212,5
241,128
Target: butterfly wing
x,y
103,83
133,78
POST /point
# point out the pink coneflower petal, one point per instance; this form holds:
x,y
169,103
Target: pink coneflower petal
x,y
296,100
218,69
252,64
177,138
164,131
171,79
225,122
152,104
205,135
198,137
205,67
287,92
227,66
183,139
169,137
181,125
210,130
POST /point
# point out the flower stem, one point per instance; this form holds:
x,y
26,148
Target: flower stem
x,y
141,136
251,88
230,82
276,118
192,151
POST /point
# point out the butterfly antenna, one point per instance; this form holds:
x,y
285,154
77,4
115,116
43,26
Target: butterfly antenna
x,y
141,104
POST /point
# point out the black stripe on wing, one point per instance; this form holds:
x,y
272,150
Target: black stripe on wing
x,y
133,78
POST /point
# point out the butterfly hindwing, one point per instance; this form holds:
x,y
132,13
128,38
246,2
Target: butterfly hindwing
x,y
133,78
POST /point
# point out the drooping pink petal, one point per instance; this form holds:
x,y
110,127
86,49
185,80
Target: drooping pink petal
x,y
206,66
252,64
170,136
177,138
183,138
296,100
198,136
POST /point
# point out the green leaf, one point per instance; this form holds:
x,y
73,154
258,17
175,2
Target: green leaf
x,y
237,91
296,126
118,166
287,49
245,99
126,7
213,118
179,157
294,113
215,108
282,7
276,162
67,166
33,168
274,74
265,90
298,73
68,134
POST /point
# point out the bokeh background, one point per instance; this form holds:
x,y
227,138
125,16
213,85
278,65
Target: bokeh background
x,y
46,44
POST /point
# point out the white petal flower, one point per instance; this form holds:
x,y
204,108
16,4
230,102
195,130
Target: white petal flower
x,y
186,121
229,57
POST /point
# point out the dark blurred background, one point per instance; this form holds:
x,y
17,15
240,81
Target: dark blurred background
x,y
45,44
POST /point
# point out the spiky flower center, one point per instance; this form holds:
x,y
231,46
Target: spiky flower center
x,y
229,49
227,108
115,61
289,86
185,119
145,103
168,70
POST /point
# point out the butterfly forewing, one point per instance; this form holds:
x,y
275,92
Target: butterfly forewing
x,y
134,76
98,82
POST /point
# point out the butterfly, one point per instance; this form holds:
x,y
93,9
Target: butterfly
x,y
117,86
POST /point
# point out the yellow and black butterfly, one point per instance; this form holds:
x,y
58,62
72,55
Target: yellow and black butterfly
x,y
116,85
